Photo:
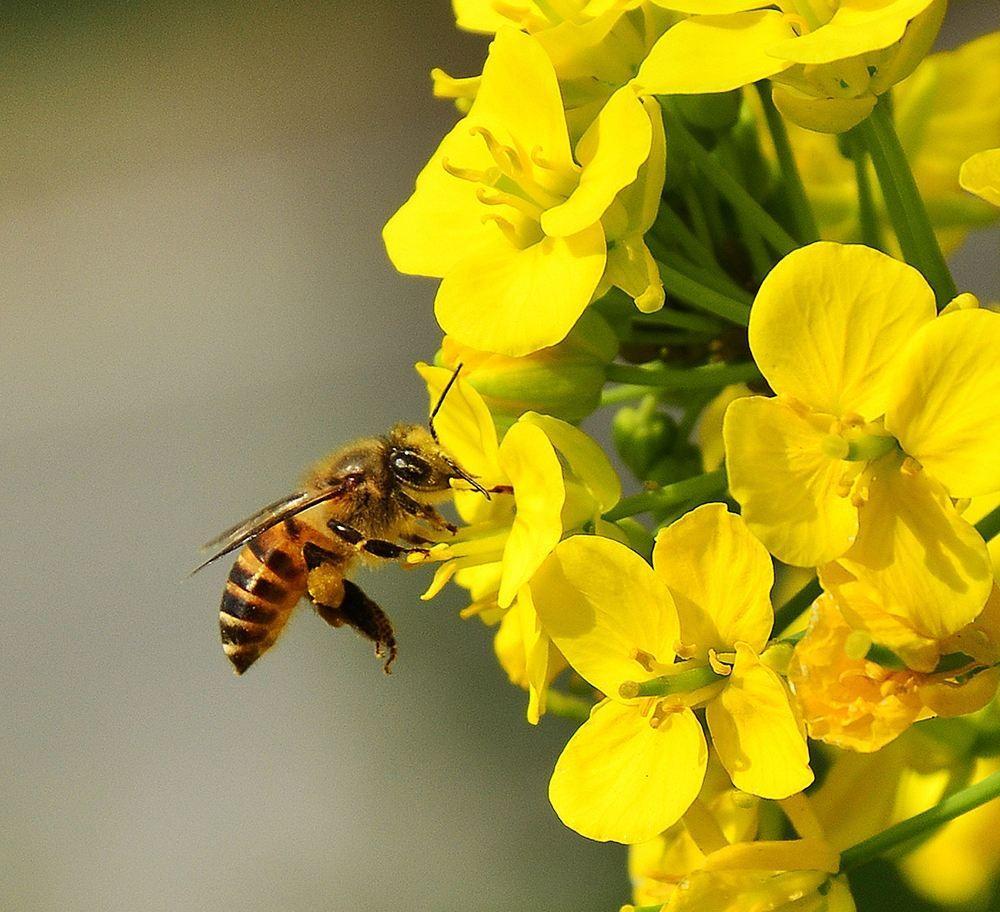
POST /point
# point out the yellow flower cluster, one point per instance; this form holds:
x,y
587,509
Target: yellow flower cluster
x,y
793,667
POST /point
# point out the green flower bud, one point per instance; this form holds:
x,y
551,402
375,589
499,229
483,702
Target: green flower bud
x,y
717,112
564,380
643,435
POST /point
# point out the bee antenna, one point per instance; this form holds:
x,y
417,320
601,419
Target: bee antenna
x,y
440,402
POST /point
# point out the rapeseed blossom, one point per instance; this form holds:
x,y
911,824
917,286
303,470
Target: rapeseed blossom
x,y
638,223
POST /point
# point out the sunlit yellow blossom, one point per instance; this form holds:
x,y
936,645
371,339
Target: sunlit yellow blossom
x,y
980,174
943,113
882,411
559,481
596,46
564,380
635,766
507,217
853,702
829,59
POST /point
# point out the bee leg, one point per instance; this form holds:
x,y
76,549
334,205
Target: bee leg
x,y
425,512
367,618
375,546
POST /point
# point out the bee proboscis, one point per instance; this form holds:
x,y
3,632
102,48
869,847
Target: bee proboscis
x,y
374,497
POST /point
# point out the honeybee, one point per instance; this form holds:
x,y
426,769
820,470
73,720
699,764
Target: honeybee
x,y
374,497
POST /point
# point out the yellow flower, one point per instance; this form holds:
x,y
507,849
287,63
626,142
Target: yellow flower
x,y
852,702
564,380
943,113
596,46
762,888
559,481
883,413
829,59
506,216
636,765
980,174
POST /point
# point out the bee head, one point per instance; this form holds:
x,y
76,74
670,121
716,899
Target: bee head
x,y
419,463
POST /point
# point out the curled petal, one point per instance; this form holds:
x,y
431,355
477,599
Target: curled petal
x,y
980,174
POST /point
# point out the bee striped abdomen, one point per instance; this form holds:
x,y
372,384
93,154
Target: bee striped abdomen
x,y
266,582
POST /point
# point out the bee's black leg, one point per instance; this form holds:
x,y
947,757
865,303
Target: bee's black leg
x,y
375,546
424,512
368,619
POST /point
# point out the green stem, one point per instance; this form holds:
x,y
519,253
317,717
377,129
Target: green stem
x,y
700,486
696,212
788,613
681,682
708,376
989,525
624,393
676,319
871,235
567,705
903,201
795,191
962,802
711,278
670,227
725,183
704,298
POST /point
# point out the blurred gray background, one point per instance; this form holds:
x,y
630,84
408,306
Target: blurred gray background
x,y
194,304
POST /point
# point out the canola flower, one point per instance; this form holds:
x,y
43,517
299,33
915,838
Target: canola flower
x,y
781,648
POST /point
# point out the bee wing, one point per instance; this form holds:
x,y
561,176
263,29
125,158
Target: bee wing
x,y
273,514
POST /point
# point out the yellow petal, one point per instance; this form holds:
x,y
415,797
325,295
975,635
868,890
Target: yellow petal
x,y
441,223
711,7
790,490
611,153
714,54
519,99
980,174
709,429
828,321
823,115
621,780
720,577
929,566
945,408
857,26
478,16
606,610
532,466
463,424
585,458
514,301
631,268
754,728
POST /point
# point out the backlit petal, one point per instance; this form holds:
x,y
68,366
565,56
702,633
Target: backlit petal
x,y
830,319
790,490
606,610
928,565
980,174
585,458
621,780
532,466
754,728
464,424
516,301
720,577
714,54
945,407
